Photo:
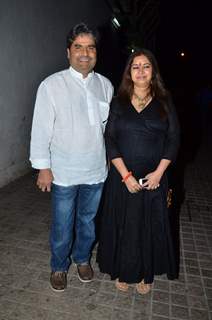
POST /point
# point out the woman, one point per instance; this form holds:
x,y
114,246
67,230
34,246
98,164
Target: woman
x,y
142,138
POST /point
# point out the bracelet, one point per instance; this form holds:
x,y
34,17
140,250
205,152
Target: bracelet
x,y
127,176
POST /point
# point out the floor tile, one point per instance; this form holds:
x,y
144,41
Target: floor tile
x,y
25,291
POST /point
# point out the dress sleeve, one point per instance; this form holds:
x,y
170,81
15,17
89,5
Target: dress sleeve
x,y
110,132
172,141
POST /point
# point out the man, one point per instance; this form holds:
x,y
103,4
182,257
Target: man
x,y
67,146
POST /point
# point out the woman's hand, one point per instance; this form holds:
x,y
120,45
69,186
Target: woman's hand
x,y
155,176
153,180
132,185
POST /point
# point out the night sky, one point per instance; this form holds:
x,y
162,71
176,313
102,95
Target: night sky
x,y
185,26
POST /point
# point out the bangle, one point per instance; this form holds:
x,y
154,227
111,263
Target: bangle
x,y
127,176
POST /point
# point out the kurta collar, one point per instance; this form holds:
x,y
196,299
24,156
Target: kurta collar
x,y
79,75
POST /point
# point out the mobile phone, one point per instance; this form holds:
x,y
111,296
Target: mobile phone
x,y
142,181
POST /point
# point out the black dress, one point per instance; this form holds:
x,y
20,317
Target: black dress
x,y
134,240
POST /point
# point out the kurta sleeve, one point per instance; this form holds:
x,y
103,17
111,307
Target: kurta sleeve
x,y
172,141
110,131
42,129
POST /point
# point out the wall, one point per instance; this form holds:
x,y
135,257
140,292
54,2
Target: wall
x,y
32,35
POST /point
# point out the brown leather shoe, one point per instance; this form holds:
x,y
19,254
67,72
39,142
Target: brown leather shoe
x,y
58,281
85,272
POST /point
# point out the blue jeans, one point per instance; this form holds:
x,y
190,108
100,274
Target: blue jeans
x,y
73,228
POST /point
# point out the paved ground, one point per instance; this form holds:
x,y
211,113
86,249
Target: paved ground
x,y
24,262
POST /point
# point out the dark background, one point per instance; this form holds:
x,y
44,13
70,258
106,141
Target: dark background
x,y
33,36
185,26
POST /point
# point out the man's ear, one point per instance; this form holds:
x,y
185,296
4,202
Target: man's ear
x,y
68,53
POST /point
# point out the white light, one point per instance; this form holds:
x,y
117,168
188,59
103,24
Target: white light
x,y
116,23
182,54
133,50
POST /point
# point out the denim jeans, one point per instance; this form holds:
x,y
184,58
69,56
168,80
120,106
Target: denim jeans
x,y
73,228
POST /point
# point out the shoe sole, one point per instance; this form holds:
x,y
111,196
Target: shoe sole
x,y
56,290
82,280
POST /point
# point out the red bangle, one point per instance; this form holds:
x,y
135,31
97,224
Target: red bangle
x,y
127,176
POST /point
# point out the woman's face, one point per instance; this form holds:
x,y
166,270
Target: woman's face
x,y
141,71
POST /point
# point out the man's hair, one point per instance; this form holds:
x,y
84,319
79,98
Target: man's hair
x,y
78,29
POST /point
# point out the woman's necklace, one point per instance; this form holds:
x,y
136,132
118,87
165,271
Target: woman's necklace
x,y
142,101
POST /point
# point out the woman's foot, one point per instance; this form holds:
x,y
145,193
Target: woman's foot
x,y
122,286
143,288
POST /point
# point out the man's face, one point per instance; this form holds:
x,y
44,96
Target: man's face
x,y
82,54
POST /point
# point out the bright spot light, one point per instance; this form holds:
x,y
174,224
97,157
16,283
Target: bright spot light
x,y
182,54
132,50
115,22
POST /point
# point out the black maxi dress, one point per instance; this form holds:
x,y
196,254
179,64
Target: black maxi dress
x,y
134,239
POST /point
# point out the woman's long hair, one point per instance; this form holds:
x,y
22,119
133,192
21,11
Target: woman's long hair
x,y
157,88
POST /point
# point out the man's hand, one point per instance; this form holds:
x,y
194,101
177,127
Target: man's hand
x,y
44,181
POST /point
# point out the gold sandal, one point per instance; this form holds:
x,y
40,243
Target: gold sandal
x,y
122,286
143,288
